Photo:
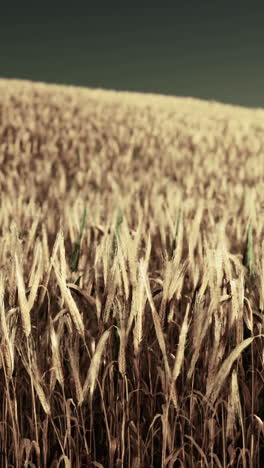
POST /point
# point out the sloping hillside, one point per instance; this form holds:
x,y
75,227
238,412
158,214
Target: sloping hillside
x,y
58,140
131,279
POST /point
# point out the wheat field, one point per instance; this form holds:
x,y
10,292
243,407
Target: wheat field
x,y
131,280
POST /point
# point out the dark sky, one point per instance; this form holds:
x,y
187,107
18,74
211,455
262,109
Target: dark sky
x,y
206,49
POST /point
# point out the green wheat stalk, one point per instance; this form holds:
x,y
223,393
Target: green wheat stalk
x,y
174,241
77,246
249,255
119,220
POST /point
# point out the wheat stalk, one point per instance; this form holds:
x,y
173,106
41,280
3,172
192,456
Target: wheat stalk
x,y
73,309
24,305
95,365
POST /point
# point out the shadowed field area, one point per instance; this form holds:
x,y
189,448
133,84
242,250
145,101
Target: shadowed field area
x,y
132,279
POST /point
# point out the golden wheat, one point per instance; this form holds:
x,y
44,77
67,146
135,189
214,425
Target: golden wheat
x,y
182,372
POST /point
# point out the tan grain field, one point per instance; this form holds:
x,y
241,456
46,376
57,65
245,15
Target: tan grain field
x,y
131,280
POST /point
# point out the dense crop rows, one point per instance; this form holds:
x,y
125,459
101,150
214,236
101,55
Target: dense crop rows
x,y
131,279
